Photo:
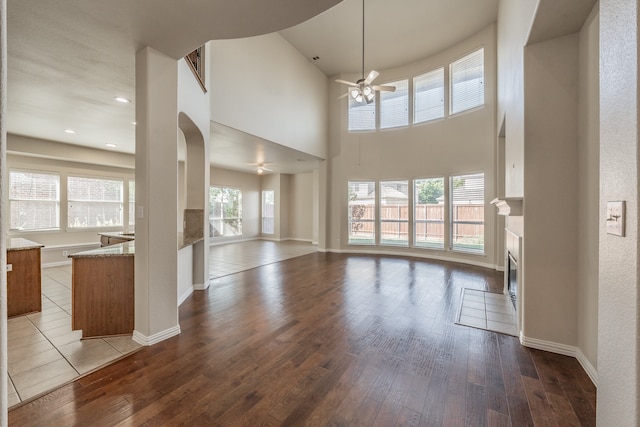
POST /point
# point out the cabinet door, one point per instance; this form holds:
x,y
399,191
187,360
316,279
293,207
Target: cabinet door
x,y
24,293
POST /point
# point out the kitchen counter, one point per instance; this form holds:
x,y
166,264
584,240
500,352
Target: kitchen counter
x,y
112,238
24,283
120,249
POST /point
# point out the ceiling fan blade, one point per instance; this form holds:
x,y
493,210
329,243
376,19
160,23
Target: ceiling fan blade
x,y
385,88
371,77
344,82
344,95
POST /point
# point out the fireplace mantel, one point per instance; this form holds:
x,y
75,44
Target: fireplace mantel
x,y
508,206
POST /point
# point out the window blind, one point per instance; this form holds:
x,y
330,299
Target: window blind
x,y
394,106
467,82
34,200
362,116
428,99
94,202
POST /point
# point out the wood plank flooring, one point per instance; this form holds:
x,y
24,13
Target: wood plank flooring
x,y
329,340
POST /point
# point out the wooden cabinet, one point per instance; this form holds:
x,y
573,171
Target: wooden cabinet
x,y
102,294
24,286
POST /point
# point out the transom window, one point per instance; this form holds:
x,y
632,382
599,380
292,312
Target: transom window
x,y
362,116
94,202
428,98
394,106
34,200
467,82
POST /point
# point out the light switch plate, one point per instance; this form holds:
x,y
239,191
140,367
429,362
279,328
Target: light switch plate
x,y
615,218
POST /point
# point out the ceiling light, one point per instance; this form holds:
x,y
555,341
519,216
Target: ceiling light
x,y
111,144
260,171
70,131
122,99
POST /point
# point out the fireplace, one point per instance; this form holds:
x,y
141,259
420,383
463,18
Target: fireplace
x,y
512,271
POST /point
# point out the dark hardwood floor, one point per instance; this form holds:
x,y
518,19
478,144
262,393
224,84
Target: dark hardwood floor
x,y
327,339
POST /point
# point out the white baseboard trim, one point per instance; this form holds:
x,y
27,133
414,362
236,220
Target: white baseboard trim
x,y
565,350
56,264
216,242
587,366
201,286
410,254
293,239
185,295
155,338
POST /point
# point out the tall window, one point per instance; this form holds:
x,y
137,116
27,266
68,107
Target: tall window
x,y
362,213
362,116
428,100
394,213
34,200
394,106
268,212
132,203
94,202
225,211
467,213
428,213
467,82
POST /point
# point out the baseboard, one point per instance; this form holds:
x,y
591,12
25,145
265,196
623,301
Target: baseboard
x,y
185,295
201,286
587,366
565,350
216,242
155,338
293,239
410,254
56,264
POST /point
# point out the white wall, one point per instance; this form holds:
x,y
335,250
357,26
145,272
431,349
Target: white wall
x,y
301,196
463,143
270,75
250,186
589,188
619,316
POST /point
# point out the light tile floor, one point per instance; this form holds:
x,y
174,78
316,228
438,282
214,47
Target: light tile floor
x,y
45,353
235,257
487,310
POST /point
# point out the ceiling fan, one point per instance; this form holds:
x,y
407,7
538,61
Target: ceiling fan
x,y
260,168
362,90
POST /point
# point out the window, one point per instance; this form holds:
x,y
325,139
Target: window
x,y
34,200
428,213
428,99
225,211
94,202
394,213
362,116
394,105
132,203
467,213
362,213
268,212
467,82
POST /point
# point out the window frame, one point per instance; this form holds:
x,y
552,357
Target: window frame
x,y
120,179
415,96
461,248
399,222
452,109
57,201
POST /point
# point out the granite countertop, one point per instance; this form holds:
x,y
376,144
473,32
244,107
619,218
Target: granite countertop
x,y
20,244
184,241
119,249
119,235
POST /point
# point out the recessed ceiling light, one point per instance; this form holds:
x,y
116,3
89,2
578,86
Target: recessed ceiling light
x,y
122,99
70,131
111,144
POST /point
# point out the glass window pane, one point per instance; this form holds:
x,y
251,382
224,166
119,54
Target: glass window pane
x,y
428,101
394,213
362,213
467,213
268,212
428,213
132,202
467,82
94,202
225,212
362,116
34,200
394,106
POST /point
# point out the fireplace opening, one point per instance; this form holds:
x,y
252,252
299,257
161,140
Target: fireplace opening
x,y
512,280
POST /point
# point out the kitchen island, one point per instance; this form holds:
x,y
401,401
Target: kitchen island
x,y
24,286
102,291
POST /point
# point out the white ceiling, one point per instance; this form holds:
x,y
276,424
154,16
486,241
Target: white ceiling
x,y
68,60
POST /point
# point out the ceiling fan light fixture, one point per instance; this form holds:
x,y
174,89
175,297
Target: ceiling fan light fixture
x,y
359,98
370,96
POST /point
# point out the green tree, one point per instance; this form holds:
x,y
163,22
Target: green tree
x,y
429,190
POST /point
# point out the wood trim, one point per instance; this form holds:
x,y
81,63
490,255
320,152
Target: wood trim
x,y
196,74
